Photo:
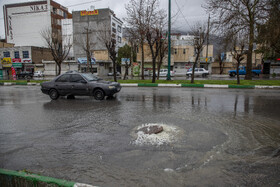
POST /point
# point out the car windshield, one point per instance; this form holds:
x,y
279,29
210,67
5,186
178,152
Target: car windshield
x,y
90,77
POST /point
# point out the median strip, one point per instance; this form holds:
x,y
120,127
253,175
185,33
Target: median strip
x,y
241,86
14,178
193,85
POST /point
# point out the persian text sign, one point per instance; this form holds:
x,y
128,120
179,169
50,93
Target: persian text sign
x,y
89,13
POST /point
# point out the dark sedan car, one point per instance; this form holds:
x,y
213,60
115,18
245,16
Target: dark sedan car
x,y
74,83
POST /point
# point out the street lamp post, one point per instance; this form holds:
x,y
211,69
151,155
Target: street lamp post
x,y
169,40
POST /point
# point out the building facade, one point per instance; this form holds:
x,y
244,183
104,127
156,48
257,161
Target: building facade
x,y
23,58
182,55
87,24
24,22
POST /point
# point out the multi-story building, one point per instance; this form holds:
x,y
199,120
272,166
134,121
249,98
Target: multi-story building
x,y
87,24
24,22
23,58
182,56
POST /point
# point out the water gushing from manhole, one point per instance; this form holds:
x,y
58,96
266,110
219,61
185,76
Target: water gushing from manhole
x,y
155,134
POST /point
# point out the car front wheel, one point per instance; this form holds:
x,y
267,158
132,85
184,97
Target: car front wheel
x,y
54,95
98,94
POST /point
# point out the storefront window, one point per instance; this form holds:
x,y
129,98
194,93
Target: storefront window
x,y
25,54
16,54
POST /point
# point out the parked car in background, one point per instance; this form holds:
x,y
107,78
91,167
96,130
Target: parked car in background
x,y
38,74
164,72
198,72
112,73
73,83
242,71
25,75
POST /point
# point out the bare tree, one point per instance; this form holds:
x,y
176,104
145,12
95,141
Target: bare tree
x,y
87,45
55,44
269,33
104,34
163,50
136,21
238,52
240,16
125,53
199,31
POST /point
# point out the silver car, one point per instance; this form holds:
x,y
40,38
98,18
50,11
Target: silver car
x,y
78,84
198,72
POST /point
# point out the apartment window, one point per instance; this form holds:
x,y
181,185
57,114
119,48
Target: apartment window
x,y
16,54
25,54
184,51
6,54
175,51
114,30
119,29
64,15
119,39
113,24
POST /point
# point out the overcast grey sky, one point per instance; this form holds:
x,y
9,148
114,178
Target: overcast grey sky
x,y
191,10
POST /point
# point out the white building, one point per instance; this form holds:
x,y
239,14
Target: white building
x,y
67,35
24,22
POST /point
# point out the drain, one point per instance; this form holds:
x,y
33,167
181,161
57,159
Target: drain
x,y
154,129
155,134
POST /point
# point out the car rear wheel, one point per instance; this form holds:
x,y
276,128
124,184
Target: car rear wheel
x,y
232,74
54,95
98,94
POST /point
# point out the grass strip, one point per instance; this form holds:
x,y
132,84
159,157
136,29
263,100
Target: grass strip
x,y
33,178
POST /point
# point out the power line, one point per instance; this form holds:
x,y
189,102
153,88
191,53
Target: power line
x,y
83,3
182,14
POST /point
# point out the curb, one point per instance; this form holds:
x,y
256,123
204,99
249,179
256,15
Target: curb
x,y
165,85
9,178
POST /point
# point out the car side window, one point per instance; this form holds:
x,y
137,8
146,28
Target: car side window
x,y
200,69
195,69
63,78
76,78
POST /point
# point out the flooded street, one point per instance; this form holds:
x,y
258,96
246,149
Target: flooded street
x,y
211,137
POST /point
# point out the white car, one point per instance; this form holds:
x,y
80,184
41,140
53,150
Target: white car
x,y
38,74
164,72
112,73
198,72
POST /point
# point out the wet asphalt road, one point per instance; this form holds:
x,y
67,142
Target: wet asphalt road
x,y
226,137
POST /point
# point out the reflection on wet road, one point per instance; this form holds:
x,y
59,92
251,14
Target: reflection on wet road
x,y
219,137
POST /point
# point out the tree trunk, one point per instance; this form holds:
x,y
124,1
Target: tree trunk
x,y
249,54
114,70
158,70
194,64
126,71
142,60
59,68
154,71
237,71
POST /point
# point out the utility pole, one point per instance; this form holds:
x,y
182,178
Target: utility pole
x,y
169,40
208,28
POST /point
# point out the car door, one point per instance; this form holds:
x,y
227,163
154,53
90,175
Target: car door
x,y
62,85
79,85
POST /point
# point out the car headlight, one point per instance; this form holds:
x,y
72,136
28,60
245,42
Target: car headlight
x,y
112,87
